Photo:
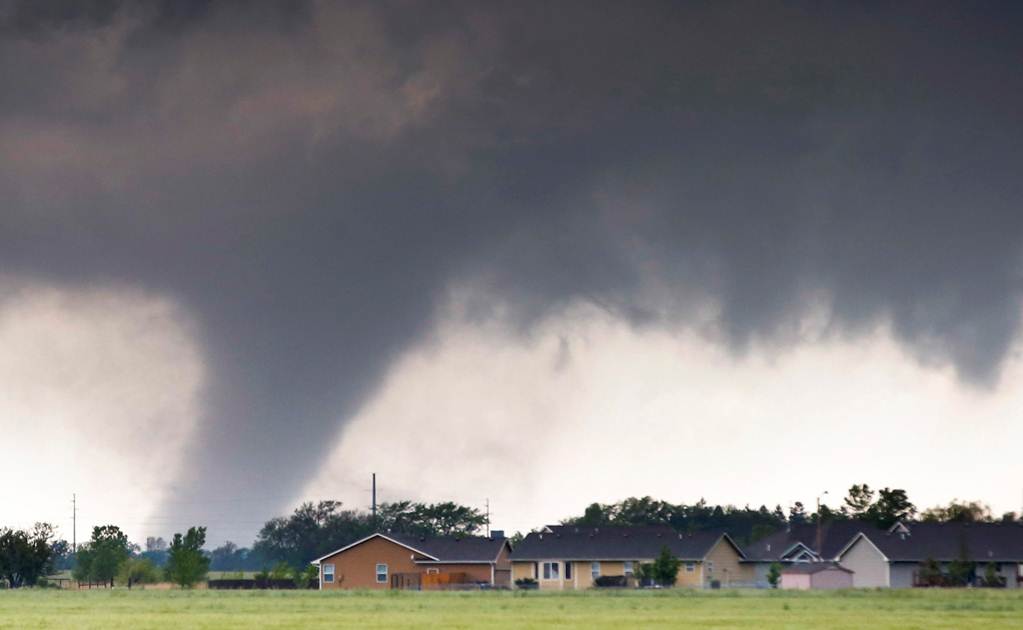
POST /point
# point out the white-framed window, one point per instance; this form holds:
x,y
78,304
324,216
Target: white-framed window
x,y
690,567
628,567
595,569
710,566
551,571
432,571
381,573
328,573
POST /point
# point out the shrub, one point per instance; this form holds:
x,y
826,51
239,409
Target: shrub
x,y
605,581
137,571
930,573
527,583
305,578
774,575
991,577
666,568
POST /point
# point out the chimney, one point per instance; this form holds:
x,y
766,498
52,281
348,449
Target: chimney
x,y
497,534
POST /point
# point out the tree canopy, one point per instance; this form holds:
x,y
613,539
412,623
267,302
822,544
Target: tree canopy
x,y
101,558
186,563
315,529
25,554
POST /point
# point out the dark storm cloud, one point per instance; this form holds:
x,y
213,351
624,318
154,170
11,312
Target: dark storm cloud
x,y
311,179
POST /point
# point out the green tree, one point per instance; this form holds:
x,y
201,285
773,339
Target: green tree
x,y
960,512
666,567
61,557
25,555
186,563
892,505
774,574
859,500
101,558
797,513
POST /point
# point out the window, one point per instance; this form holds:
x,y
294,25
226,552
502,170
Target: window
x,y
628,567
595,569
550,571
381,573
710,566
690,567
568,570
328,573
432,571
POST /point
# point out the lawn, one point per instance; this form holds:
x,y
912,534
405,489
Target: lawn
x,y
311,609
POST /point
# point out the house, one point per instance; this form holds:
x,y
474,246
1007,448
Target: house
x,y
816,575
893,557
802,544
568,557
387,560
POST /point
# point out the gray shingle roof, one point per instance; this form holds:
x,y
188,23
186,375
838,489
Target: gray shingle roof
x,y
567,542
982,542
835,535
454,549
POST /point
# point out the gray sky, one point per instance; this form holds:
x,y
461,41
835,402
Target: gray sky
x,y
229,229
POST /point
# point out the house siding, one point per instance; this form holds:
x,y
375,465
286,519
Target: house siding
x,y
475,572
901,574
690,580
356,567
831,579
795,581
522,570
870,569
726,568
582,576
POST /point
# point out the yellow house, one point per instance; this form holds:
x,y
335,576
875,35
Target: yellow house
x,y
568,557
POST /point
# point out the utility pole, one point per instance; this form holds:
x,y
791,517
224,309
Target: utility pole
x,y
74,523
820,537
488,517
374,501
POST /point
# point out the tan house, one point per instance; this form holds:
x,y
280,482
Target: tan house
x,y
568,557
386,561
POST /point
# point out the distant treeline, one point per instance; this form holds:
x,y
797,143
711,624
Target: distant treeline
x,y
883,507
285,545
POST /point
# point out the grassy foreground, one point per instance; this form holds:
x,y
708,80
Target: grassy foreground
x,y
311,609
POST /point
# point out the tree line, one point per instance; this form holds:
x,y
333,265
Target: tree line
x,y
285,545
882,507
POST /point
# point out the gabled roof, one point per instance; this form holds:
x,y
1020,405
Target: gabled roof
x,y
440,549
568,542
835,535
981,542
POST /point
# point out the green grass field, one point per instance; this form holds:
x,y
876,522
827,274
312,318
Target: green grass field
x,y
311,609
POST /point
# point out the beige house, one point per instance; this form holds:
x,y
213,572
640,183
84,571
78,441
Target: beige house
x,y
563,557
